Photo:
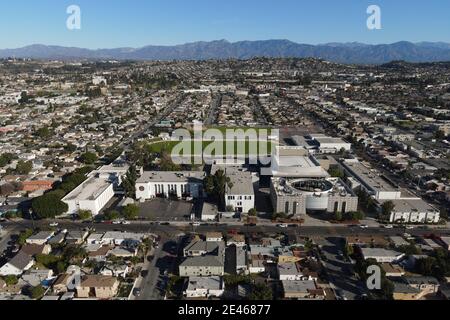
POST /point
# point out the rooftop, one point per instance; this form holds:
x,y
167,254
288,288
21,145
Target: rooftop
x,y
170,176
211,283
242,183
369,176
91,189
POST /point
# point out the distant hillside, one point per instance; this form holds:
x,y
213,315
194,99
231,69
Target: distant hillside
x,y
337,52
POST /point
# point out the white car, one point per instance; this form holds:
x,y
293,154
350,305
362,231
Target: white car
x,y
54,224
389,226
283,225
364,226
117,222
126,222
409,227
195,224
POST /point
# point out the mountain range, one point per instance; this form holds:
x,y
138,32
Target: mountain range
x,y
352,53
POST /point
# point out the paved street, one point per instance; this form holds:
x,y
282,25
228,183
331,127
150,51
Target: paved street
x,y
176,228
213,110
154,279
152,272
340,272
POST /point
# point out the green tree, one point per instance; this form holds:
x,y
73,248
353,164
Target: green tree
x,y
11,280
336,172
6,158
84,214
261,292
386,209
70,147
23,236
252,212
131,212
410,249
129,182
88,158
24,167
216,186
112,215
43,133
49,206
37,292
426,266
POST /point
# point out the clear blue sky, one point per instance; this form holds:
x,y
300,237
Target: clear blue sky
x,y
136,23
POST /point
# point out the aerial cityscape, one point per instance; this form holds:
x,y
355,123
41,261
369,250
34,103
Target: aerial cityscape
x,y
210,172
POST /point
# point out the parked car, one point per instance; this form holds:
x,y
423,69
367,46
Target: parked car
x,y
364,226
136,291
283,225
54,224
126,222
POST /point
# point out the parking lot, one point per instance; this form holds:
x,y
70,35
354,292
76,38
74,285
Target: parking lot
x,y
165,210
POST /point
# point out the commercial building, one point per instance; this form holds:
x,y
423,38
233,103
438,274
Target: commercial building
x,y
382,255
241,196
320,143
298,196
181,184
97,190
92,195
371,181
413,211
295,162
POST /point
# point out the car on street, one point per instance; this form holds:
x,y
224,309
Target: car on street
x,y
117,222
283,225
364,226
54,224
388,226
126,222
409,227
195,224
136,291
340,295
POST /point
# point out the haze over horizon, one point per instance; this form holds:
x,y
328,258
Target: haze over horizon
x,y
175,22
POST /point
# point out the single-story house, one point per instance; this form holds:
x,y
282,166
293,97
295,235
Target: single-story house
x,y
17,265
